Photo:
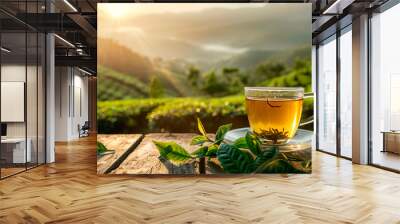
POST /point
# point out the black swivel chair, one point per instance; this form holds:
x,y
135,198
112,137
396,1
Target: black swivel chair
x,y
84,130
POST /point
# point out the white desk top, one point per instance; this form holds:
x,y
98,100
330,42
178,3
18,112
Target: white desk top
x,y
13,140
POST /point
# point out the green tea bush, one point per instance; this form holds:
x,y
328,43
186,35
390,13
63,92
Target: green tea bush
x,y
125,116
175,114
180,115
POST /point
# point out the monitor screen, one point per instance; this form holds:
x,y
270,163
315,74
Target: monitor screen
x,y
3,129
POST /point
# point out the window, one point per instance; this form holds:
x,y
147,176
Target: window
x,y
385,88
327,96
346,92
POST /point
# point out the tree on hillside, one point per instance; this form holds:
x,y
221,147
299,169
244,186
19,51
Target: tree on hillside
x,y
299,75
268,70
229,81
156,90
194,76
213,86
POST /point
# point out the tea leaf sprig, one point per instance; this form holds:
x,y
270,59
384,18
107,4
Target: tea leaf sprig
x,y
207,147
245,155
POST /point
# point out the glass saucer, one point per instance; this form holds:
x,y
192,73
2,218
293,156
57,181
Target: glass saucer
x,y
301,141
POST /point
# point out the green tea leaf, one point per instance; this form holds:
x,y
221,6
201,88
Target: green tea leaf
x,y
277,166
241,143
201,127
212,150
298,156
222,130
201,152
253,143
198,140
267,154
172,152
101,148
248,154
233,160
214,167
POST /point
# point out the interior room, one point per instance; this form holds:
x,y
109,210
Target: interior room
x,y
49,111
27,141
22,103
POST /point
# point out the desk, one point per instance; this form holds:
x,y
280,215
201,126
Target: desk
x,y
15,148
391,141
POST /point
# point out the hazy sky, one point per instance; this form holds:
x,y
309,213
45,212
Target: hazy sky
x,y
196,31
120,10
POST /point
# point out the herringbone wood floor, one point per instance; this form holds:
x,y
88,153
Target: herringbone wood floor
x,y
69,191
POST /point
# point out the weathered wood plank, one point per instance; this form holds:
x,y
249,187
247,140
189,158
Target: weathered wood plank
x,y
145,158
123,146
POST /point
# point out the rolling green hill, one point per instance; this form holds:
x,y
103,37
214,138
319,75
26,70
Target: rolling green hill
x,y
113,85
138,70
125,74
250,59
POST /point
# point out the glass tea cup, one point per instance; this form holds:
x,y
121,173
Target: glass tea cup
x,y
274,113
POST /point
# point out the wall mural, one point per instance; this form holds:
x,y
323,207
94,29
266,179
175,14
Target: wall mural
x,y
190,88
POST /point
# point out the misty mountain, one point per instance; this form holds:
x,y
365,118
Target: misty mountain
x,y
113,55
126,73
115,58
250,59
212,34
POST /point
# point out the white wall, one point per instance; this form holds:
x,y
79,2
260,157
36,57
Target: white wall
x,y
33,127
71,102
16,73
62,81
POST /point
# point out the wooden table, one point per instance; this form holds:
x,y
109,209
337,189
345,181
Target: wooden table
x,y
137,154
122,145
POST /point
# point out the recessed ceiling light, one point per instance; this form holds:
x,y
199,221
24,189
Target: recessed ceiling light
x,y
64,40
5,50
70,5
338,6
84,71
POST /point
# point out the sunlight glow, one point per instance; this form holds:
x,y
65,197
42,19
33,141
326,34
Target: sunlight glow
x,y
119,10
224,48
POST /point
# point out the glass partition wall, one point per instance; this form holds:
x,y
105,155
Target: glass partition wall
x,y
22,98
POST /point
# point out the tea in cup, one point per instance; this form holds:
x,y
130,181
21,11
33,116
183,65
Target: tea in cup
x,y
274,113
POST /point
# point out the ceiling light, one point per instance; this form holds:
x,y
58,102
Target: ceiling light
x,y
84,71
70,5
5,50
338,6
64,40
